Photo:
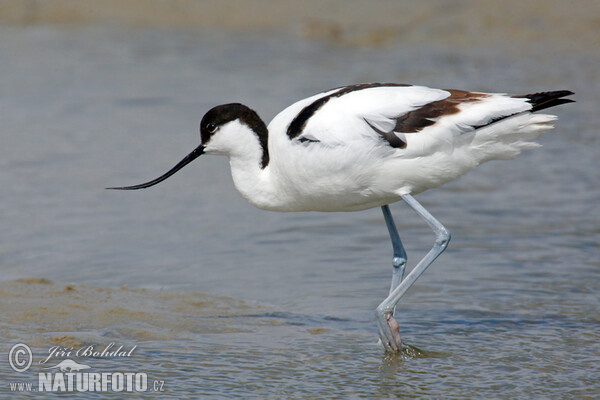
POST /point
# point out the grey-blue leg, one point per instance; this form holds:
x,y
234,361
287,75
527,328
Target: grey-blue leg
x,y
399,257
388,327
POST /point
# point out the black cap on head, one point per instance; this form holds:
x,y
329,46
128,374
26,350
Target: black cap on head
x,y
220,115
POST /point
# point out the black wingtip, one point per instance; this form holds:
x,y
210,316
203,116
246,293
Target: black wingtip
x,y
551,103
543,100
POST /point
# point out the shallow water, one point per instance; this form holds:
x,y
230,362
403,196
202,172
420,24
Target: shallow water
x,y
224,300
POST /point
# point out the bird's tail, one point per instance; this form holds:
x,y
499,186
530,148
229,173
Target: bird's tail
x,y
509,136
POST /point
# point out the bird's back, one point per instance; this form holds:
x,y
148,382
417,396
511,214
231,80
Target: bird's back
x,y
362,146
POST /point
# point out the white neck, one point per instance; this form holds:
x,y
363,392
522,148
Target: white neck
x,y
254,183
241,145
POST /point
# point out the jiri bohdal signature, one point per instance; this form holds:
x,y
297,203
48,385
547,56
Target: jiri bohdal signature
x,y
109,351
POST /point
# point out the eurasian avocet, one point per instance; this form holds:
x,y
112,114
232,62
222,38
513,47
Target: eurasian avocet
x,y
369,145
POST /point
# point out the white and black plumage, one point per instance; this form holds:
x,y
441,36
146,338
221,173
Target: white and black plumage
x,y
369,145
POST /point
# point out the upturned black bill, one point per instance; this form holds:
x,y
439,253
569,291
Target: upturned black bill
x,y
198,151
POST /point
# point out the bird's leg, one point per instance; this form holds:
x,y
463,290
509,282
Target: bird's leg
x,y
399,257
399,264
388,327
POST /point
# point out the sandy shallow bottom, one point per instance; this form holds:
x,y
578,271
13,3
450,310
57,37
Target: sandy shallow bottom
x,y
71,315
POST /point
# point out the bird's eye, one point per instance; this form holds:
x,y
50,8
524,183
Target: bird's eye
x,y
211,128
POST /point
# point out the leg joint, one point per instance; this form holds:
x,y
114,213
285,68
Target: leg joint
x,y
443,238
398,262
384,309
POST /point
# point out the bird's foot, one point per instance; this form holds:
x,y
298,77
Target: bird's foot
x,y
389,331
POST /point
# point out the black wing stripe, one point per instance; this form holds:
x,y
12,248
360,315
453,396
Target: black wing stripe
x,y
299,122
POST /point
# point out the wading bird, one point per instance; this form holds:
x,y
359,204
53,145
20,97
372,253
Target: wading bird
x,y
369,145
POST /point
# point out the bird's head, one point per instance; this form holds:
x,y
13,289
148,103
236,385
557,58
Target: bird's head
x,y
229,129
